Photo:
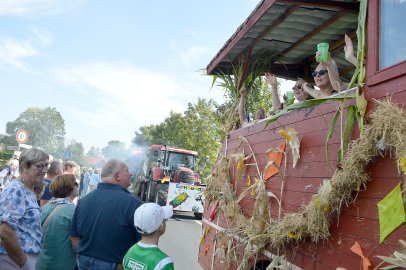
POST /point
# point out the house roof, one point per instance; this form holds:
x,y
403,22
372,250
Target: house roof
x,y
287,33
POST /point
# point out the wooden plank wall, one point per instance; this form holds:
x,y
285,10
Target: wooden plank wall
x,y
357,222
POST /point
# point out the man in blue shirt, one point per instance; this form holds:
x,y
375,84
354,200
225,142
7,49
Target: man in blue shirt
x,y
55,169
103,224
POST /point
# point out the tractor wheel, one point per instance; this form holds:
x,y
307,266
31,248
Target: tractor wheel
x,y
161,194
142,190
152,189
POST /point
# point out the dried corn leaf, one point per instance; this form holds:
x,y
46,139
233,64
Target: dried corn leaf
x,y
285,134
398,258
361,101
394,262
271,194
240,168
292,137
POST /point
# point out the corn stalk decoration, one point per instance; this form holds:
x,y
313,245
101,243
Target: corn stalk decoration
x,y
245,74
359,74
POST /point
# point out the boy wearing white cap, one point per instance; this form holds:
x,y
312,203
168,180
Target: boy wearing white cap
x,y
150,222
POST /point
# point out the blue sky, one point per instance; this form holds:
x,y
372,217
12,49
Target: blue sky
x,y
110,67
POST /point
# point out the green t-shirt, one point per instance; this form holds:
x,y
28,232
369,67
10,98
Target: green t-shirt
x,y
146,257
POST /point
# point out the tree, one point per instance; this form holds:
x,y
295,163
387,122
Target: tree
x,y
94,152
116,149
199,128
77,150
45,128
151,134
204,132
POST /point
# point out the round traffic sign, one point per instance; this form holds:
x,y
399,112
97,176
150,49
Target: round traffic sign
x,y
22,136
67,154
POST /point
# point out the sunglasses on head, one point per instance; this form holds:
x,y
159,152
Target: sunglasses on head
x,y
321,72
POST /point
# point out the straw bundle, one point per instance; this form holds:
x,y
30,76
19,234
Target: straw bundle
x,y
385,133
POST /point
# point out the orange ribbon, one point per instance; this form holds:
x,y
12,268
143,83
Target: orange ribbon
x,y
356,248
206,249
277,158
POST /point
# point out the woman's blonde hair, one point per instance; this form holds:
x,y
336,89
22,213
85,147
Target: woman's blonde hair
x,y
62,186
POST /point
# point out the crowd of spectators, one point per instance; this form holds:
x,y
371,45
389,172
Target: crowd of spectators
x,y
46,224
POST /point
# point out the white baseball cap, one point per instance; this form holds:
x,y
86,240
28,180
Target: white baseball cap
x,y
149,216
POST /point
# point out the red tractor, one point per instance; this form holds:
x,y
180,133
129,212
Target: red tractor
x,y
165,165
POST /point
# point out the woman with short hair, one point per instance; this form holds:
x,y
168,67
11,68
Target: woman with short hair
x,y
20,215
57,251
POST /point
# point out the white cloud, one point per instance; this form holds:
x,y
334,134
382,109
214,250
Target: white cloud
x,y
29,7
118,98
191,54
43,37
124,95
12,52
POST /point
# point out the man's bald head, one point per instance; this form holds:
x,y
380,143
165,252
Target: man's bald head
x,y
116,172
111,167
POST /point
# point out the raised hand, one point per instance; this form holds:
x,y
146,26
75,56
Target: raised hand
x,y
271,79
349,51
243,91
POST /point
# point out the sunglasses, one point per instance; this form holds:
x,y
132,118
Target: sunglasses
x,y
321,72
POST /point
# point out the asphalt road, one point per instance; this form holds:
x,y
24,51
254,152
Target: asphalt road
x,y
181,241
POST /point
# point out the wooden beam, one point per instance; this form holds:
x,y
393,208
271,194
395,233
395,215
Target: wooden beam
x,y
336,45
343,6
314,32
246,63
253,18
269,28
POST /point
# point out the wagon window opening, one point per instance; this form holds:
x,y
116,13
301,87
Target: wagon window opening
x,y
392,32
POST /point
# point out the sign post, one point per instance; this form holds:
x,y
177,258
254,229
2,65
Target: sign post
x,y
22,136
67,154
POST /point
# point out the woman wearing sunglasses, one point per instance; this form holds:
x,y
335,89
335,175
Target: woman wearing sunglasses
x,y
326,75
298,91
321,76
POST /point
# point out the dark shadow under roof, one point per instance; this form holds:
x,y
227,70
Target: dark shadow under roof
x,y
287,32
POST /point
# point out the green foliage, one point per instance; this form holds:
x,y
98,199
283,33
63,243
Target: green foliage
x,y
77,150
204,132
250,76
306,104
116,149
331,129
148,134
199,128
349,125
94,152
359,74
45,128
4,157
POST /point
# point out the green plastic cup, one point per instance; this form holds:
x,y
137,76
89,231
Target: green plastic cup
x,y
322,48
290,97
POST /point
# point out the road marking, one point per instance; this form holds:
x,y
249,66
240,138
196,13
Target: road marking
x,y
198,222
